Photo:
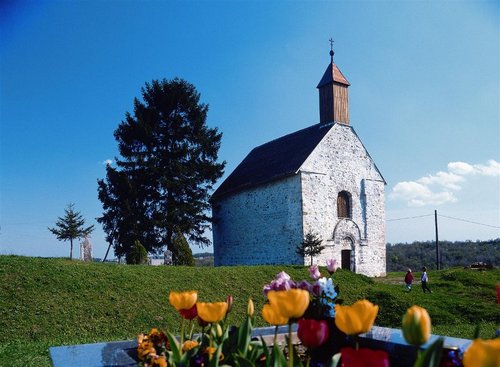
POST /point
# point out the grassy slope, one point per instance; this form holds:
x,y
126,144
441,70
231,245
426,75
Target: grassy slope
x,y
46,302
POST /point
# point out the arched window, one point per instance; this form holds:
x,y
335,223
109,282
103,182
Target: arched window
x,y
344,205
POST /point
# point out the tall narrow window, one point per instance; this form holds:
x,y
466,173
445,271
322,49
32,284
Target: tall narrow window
x,y
343,205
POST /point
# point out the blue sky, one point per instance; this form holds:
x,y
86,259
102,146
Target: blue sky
x,y
424,98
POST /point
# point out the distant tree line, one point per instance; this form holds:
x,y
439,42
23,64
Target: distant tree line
x,y
401,256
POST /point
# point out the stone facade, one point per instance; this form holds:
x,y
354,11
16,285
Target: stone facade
x,y
265,224
260,225
341,163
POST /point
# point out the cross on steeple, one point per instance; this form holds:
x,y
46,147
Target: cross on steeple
x,y
331,48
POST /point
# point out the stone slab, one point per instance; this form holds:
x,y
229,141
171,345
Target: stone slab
x,y
122,353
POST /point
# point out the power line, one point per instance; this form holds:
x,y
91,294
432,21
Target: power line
x,y
419,216
468,221
444,216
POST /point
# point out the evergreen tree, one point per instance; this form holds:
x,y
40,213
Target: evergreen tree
x,y
311,246
70,227
166,170
137,254
182,254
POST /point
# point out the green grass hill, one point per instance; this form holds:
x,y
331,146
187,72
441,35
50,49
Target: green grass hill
x,y
49,302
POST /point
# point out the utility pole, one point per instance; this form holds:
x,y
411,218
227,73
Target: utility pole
x,y
437,239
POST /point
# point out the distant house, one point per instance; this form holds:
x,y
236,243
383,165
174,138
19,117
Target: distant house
x,y
320,179
166,259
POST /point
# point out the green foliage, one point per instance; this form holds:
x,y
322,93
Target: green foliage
x,y
71,227
137,254
311,246
401,256
96,302
182,254
431,357
166,170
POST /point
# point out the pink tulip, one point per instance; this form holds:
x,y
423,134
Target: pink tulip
x,y
314,272
331,266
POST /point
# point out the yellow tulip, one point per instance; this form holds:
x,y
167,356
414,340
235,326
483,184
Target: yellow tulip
x,y
183,300
250,307
211,312
356,319
189,344
144,349
416,326
159,362
272,316
211,351
483,353
290,304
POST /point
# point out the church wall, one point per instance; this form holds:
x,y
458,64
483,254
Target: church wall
x,y
339,163
259,226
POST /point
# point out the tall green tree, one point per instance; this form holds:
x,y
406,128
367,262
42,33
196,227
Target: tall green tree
x,y
165,173
71,227
311,246
183,254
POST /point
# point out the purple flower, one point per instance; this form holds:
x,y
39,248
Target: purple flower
x,y
305,285
282,282
314,272
282,276
331,265
316,289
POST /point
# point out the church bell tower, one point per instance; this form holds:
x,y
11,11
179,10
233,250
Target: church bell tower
x,y
333,95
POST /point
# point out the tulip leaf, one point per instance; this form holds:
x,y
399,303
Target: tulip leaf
x,y
244,362
278,359
174,347
335,360
244,335
431,357
265,352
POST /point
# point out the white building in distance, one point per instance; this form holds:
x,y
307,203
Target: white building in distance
x,y
320,179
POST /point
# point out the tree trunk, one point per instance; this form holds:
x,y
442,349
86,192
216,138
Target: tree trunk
x,y
107,251
71,251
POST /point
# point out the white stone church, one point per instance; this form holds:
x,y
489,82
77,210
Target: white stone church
x,y
320,179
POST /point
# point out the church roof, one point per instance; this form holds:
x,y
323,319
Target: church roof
x,y
332,74
277,159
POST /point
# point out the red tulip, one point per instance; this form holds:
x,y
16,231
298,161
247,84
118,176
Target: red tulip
x,y
189,314
364,357
312,333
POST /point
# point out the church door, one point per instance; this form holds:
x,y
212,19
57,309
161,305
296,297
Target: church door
x,y
346,259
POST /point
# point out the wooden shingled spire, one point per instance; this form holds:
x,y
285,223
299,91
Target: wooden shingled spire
x,y
333,94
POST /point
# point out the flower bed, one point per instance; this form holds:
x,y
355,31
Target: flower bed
x,y
329,333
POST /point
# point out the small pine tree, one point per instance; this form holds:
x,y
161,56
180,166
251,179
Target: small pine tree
x,y
182,254
311,246
137,254
71,227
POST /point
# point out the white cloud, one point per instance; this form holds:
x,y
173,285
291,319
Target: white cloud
x,y
418,194
438,189
460,168
492,168
445,179
108,162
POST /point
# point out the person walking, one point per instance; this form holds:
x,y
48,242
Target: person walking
x,y
409,280
424,279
